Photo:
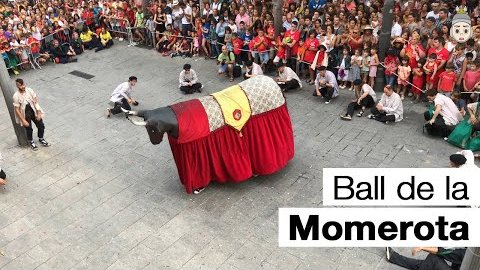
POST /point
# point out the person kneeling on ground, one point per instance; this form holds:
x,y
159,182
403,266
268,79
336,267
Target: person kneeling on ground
x,y
326,85
287,78
365,97
121,97
389,108
106,40
253,69
436,260
445,117
189,81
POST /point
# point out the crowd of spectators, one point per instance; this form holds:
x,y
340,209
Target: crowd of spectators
x,y
339,35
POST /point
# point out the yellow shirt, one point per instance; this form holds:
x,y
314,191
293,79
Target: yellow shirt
x,y
86,37
105,37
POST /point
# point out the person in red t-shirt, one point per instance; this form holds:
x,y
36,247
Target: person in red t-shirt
x,y
446,81
260,46
311,47
292,37
442,54
88,17
237,44
280,46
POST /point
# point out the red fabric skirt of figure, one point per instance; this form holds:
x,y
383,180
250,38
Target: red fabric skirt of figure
x,y
264,146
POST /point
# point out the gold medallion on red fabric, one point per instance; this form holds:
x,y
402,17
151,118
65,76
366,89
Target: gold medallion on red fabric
x,y
237,114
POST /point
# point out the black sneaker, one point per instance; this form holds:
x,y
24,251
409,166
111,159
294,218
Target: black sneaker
x,y
43,142
33,146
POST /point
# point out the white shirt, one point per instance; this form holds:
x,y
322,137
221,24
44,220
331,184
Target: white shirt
x,y
256,69
184,78
329,78
216,6
187,13
368,89
392,105
396,30
432,14
470,163
449,112
20,100
288,74
122,91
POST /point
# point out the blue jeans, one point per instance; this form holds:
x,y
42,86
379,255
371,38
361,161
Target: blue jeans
x,y
264,57
391,80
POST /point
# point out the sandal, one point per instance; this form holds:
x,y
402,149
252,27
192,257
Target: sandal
x,y
360,113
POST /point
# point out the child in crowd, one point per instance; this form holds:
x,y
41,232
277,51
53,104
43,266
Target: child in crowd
x,y
418,80
344,67
365,70
373,65
176,48
430,69
281,51
391,65
460,102
471,78
302,67
403,76
354,73
447,80
228,39
196,44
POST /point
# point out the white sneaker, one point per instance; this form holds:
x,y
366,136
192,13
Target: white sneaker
x,y
120,39
327,102
370,116
198,190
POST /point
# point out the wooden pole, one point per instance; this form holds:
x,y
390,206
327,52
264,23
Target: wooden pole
x,y
8,90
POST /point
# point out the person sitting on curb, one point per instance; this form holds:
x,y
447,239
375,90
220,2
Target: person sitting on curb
x,y
436,259
389,108
287,78
445,117
326,85
189,81
365,97
253,69
226,60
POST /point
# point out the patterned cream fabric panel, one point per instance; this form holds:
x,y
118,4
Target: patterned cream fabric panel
x,y
263,93
214,113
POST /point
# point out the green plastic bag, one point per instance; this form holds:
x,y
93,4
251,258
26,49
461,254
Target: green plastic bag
x,y
474,143
460,136
431,109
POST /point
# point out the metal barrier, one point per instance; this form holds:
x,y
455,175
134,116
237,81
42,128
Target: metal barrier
x,y
121,26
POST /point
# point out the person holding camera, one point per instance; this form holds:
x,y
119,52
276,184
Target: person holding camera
x,y
121,97
189,81
225,61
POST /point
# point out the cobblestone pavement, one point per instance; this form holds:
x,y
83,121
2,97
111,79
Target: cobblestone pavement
x,y
103,197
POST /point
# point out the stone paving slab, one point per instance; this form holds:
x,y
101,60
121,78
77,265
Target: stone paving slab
x,y
103,197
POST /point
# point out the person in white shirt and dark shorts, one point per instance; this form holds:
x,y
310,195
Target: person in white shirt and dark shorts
x,y
121,97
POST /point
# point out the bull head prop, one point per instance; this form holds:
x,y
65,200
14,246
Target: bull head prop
x,y
157,122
